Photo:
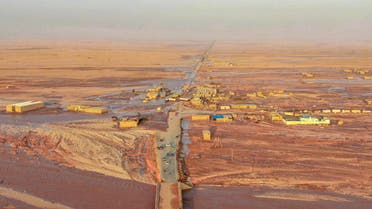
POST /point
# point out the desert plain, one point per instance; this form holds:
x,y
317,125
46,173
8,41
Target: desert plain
x,y
54,158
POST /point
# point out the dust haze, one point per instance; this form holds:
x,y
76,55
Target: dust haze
x,y
203,19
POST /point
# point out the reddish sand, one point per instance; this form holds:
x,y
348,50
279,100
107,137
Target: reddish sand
x,y
304,162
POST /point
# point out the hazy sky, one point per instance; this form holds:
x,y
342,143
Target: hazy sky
x,y
187,19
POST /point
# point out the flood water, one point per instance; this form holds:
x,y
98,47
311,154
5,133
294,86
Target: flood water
x,y
243,197
185,138
34,117
115,106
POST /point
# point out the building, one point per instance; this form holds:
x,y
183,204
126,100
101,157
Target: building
x,y
200,117
175,95
225,107
356,111
87,109
289,113
24,106
307,120
222,118
171,99
128,123
307,75
274,116
196,101
243,106
185,98
205,92
348,71
152,95
251,94
206,135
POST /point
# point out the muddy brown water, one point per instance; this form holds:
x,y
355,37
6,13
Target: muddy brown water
x,y
36,118
229,197
68,186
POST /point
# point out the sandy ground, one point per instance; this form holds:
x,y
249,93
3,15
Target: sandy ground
x,y
319,159
98,74
289,160
290,55
93,145
94,164
73,73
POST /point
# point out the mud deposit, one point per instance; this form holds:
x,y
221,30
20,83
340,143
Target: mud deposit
x,y
71,187
202,197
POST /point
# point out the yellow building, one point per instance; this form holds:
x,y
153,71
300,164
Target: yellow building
x,y
225,119
175,95
200,117
356,111
224,107
274,116
345,111
152,95
24,106
196,102
348,71
336,111
307,75
260,94
289,113
206,135
185,98
128,123
243,106
307,120
326,111
87,109
251,94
